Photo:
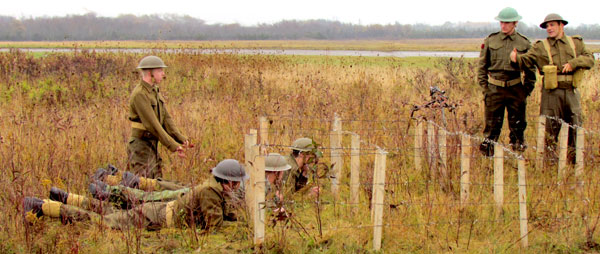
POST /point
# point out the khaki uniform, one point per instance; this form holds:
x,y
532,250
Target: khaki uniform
x,y
504,88
151,123
205,205
562,102
293,178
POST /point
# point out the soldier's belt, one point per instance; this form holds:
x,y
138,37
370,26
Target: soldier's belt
x,y
142,134
564,78
501,83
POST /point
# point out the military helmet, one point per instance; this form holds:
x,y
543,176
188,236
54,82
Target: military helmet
x,y
151,62
230,169
508,14
553,17
303,145
276,162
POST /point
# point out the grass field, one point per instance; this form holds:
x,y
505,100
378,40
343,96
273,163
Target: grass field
x,y
64,115
373,45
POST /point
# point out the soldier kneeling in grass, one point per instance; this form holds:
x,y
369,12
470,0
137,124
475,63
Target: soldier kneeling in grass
x,y
204,206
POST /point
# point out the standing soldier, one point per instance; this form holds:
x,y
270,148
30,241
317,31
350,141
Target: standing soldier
x,y
561,60
503,86
151,122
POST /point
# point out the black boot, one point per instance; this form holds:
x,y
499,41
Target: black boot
x,y
59,195
130,180
98,190
34,205
100,175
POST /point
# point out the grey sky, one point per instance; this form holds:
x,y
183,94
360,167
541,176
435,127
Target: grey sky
x,y
251,12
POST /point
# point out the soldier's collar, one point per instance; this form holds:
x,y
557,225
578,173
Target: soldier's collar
x,y
148,86
512,36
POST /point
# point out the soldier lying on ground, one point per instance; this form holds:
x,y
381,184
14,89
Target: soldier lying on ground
x,y
204,206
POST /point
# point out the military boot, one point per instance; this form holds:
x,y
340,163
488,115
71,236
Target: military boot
x,y
34,205
98,190
59,195
130,180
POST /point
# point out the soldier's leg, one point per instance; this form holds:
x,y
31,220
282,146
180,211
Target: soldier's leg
x,y
148,184
494,116
137,195
552,106
80,201
573,116
142,157
516,109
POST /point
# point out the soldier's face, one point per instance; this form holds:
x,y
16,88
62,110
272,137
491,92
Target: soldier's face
x,y
508,27
554,29
158,75
231,186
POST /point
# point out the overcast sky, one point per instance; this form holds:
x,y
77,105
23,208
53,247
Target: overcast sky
x,y
252,12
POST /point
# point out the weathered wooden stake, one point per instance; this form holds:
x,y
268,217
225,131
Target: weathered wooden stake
x,y
523,202
498,176
249,144
335,139
541,140
563,137
579,146
443,149
355,172
465,163
418,152
378,198
430,143
259,196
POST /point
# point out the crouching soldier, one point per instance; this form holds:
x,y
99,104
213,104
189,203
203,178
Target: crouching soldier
x,y
205,206
304,155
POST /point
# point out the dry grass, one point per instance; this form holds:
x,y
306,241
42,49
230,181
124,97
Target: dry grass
x,y
64,115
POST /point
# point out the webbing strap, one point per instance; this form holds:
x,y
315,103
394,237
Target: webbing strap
x,y
547,46
572,45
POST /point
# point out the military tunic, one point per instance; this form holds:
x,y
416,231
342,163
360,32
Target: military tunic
x,y
504,88
205,205
147,107
293,178
564,101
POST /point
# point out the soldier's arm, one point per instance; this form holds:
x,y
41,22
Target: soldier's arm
x,y
584,59
529,74
530,59
142,105
211,211
172,129
484,63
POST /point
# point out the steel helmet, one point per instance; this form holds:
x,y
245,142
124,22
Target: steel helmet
x,y
230,169
303,145
276,162
508,14
553,17
151,62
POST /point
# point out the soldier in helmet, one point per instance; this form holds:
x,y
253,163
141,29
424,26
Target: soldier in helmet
x,y
206,205
275,166
560,59
304,154
503,84
151,122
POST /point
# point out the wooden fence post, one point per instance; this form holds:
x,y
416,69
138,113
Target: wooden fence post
x,y
259,196
355,172
563,147
249,144
335,139
418,152
541,140
378,197
498,176
465,163
523,202
430,143
579,146
443,149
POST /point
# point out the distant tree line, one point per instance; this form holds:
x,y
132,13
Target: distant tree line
x,y
175,27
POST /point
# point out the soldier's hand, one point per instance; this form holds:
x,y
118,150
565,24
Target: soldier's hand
x,y
180,152
513,55
567,68
187,144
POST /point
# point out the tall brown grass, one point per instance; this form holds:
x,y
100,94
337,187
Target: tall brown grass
x,y
64,115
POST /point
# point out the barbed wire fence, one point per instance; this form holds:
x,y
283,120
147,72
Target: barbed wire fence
x,y
436,159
